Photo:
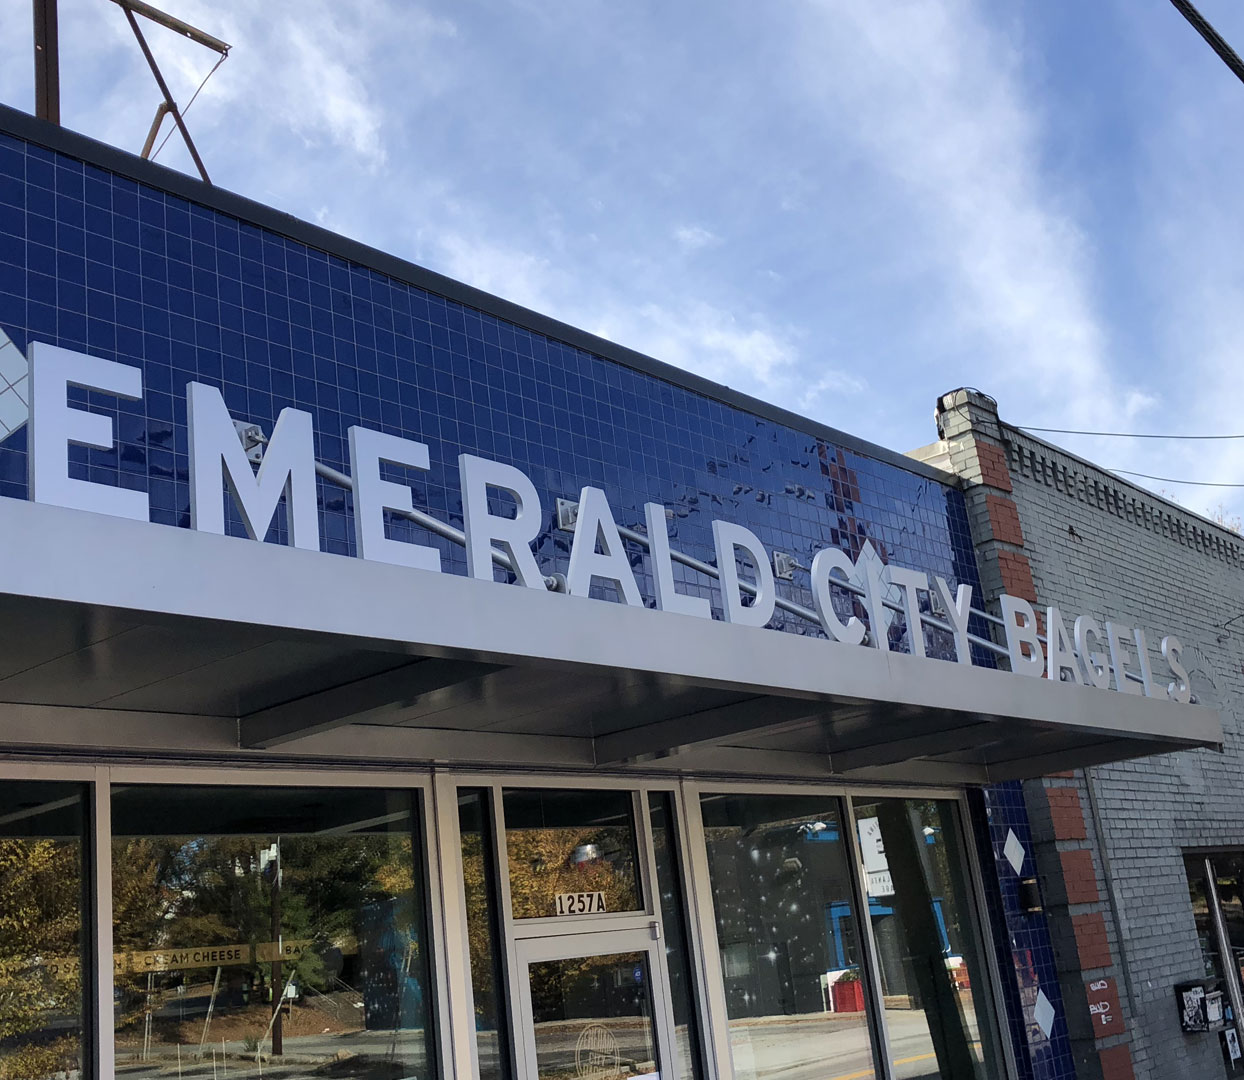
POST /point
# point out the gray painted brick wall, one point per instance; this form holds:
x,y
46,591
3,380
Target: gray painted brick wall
x,y
1102,547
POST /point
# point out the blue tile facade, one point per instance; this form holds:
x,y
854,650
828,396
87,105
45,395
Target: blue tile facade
x,y
95,262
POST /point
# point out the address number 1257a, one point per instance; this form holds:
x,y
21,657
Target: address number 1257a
x,y
581,903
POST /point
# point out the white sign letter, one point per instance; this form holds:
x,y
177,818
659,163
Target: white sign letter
x,y
876,581
958,608
668,598
1096,668
54,425
514,534
825,562
728,538
912,582
288,469
1142,655
373,496
1118,659
1020,622
595,528
1181,689
1060,655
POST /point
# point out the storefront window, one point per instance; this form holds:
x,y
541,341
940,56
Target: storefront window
x,y
789,940
570,848
487,982
1229,884
932,973
270,928
41,930
1198,894
674,919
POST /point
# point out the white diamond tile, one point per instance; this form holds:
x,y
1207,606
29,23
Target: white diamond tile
x,y
1043,1014
12,362
1014,851
13,412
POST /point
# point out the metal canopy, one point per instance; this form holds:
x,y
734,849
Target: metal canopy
x,y
123,638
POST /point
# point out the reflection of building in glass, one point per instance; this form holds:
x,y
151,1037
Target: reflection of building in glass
x,y
389,968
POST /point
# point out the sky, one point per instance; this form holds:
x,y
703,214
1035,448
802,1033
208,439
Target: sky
x,y
844,208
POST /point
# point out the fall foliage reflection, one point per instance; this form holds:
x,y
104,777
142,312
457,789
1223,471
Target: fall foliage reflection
x,y
285,935
41,1002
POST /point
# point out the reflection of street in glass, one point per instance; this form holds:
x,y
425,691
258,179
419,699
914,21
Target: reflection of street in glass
x,y
248,952
593,1018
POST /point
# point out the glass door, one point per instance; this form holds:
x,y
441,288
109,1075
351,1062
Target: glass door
x,y
593,1006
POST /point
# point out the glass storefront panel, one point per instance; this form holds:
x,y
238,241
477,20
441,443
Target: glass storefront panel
x,y
665,850
571,852
270,929
42,1008
1202,913
492,1044
932,973
788,935
593,1018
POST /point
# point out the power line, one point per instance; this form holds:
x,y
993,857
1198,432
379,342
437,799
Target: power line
x,y
1122,434
1215,40
1168,480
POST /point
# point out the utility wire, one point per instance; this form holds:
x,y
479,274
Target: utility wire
x,y
1216,42
189,103
1168,480
1122,434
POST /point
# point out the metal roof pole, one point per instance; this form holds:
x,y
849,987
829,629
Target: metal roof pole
x,y
47,62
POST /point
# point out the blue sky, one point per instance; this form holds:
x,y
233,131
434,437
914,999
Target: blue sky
x,y
846,208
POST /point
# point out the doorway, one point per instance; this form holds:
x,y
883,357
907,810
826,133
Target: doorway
x,y
593,1005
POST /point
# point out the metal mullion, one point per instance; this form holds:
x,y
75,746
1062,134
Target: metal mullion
x,y
99,971
22,770
984,941
507,947
714,1018
648,858
425,868
1231,972
692,940
456,1036
880,1029
270,776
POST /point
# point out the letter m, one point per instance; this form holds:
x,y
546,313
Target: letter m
x,y
217,457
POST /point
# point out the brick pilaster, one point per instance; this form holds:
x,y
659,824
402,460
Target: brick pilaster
x,y
1077,911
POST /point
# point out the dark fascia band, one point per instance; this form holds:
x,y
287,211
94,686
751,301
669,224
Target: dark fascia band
x,y
92,152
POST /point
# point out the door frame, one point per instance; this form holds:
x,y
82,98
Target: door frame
x,y
589,943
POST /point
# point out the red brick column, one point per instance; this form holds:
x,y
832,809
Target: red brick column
x,y
1077,912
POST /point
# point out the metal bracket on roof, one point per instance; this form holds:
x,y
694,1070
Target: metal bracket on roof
x,y
168,106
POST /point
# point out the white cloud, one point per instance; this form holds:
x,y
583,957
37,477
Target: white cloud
x,y
934,99
694,237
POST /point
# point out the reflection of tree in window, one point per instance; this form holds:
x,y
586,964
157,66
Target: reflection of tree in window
x,y
569,842
40,921
210,937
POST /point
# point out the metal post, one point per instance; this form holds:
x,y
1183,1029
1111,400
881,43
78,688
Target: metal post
x,y
47,62
168,97
101,843
1230,973
278,984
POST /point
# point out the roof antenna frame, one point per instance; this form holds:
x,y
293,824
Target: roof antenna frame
x,y
168,106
